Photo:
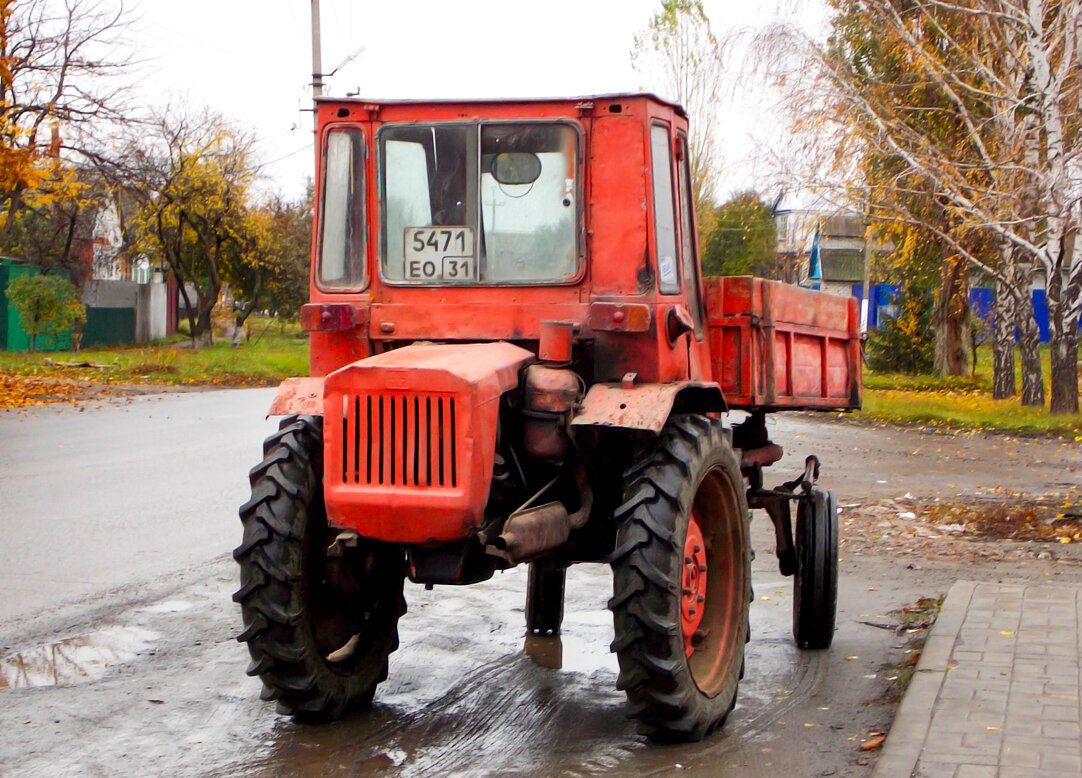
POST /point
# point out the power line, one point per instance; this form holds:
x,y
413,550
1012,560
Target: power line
x,y
287,156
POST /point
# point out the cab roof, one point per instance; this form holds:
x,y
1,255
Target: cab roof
x,y
507,100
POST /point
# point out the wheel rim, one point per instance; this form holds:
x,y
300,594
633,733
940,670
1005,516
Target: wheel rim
x,y
693,584
713,634
335,601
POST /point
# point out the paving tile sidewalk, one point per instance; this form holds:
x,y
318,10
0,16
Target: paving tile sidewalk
x,y
996,691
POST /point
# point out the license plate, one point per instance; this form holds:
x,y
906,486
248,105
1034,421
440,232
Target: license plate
x,y
440,254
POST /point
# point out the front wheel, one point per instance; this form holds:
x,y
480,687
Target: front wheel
x,y
815,586
320,616
681,581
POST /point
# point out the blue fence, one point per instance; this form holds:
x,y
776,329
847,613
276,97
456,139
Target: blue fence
x,y
981,300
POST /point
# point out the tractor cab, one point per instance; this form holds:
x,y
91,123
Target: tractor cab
x,y
469,221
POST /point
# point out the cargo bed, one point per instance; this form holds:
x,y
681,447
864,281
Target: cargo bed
x,y
775,346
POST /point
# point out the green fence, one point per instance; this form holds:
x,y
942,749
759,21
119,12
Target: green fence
x,y
104,326
109,327
12,335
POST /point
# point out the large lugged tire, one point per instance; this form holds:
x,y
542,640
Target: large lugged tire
x,y
682,581
815,586
319,626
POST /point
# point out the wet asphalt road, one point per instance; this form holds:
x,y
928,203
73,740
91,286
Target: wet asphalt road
x,y
97,499
116,530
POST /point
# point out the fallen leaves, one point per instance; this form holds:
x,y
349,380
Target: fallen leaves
x,y
18,391
872,743
982,525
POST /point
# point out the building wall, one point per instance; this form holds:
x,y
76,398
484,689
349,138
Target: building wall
x,y
110,294
151,313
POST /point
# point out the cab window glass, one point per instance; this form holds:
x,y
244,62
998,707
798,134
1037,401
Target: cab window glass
x,y
481,203
668,272
342,231
687,235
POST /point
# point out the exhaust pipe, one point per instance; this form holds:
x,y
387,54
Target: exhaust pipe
x,y
530,533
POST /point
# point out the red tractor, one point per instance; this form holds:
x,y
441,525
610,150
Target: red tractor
x,y
515,359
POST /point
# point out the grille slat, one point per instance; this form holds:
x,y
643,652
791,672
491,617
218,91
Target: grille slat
x,y
399,439
356,440
439,432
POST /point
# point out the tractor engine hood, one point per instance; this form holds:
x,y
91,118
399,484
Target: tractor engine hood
x,y
409,439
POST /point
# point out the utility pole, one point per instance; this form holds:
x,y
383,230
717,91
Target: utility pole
x,y
317,58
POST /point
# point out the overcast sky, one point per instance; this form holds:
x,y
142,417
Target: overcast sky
x,y
251,59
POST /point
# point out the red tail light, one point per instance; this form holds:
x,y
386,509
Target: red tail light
x,y
328,317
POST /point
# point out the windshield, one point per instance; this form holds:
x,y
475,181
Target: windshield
x,y
479,204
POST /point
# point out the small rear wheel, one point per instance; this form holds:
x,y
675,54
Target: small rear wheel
x,y
815,586
320,616
681,581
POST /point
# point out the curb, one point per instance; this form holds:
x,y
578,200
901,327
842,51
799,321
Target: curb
x,y
910,729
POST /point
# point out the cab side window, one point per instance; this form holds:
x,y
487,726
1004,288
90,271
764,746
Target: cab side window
x,y
687,233
668,266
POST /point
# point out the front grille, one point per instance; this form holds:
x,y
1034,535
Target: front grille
x,y
399,439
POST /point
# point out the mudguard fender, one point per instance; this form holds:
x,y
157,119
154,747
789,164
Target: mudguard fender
x,y
646,406
298,396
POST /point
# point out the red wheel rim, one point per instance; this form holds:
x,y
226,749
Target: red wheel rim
x,y
713,608
693,584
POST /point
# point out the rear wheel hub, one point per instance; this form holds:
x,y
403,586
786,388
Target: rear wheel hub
x,y
693,585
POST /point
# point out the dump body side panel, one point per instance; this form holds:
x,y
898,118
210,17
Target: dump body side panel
x,y
775,346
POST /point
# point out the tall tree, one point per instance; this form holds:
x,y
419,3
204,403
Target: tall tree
x,y
59,64
994,140
271,272
56,222
679,58
192,176
292,231
743,240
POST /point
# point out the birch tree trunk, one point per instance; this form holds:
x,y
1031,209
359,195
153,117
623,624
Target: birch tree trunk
x,y
1063,307
1003,383
1064,343
1029,337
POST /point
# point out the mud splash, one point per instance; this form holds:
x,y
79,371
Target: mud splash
x,y
74,660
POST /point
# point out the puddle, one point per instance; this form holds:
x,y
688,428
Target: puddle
x,y
74,660
571,653
545,651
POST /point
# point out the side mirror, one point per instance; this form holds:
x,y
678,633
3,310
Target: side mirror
x,y
516,167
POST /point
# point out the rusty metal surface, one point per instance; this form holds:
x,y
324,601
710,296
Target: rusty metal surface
x,y
544,435
641,406
332,317
764,456
551,388
493,366
619,317
532,532
556,338
298,396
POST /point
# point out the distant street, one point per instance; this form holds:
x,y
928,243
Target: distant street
x,y
96,499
